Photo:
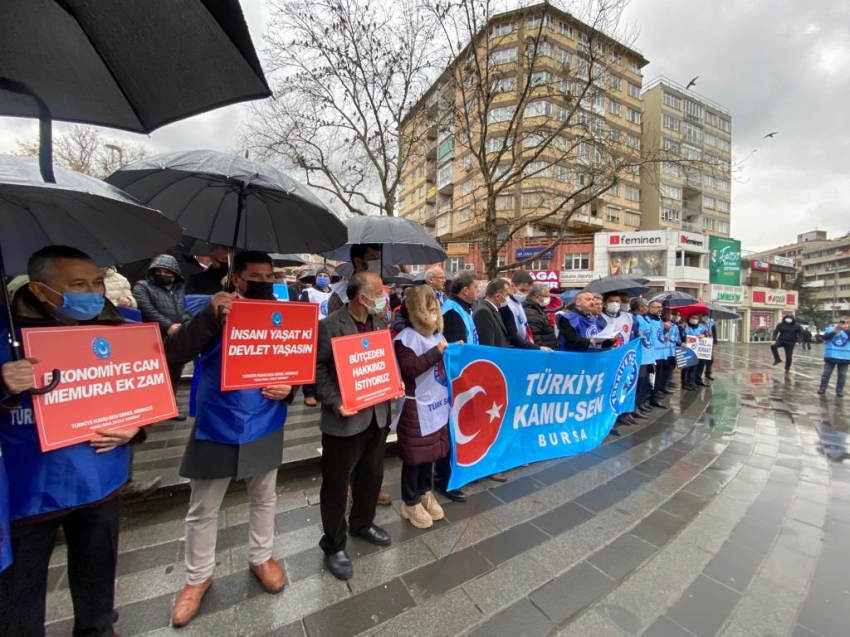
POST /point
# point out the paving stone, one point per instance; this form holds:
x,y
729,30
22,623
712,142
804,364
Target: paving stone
x,y
832,569
445,574
801,537
572,592
475,504
522,618
588,624
825,610
360,612
666,627
444,616
734,566
788,568
767,609
373,570
659,527
508,544
516,489
562,518
754,534
704,607
555,474
684,505
506,584
622,556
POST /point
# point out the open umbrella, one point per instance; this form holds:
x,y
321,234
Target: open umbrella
x,y
674,298
77,210
229,200
633,286
717,311
346,271
282,260
135,66
402,242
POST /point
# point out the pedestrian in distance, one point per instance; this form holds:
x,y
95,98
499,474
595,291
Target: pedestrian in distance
x,y
423,436
785,336
836,355
807,339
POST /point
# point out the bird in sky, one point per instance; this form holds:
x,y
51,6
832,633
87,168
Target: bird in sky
x,y
771,135
693,82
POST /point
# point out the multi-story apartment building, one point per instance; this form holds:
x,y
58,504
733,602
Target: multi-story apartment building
x,y
826,269
442,188
793,252
693,192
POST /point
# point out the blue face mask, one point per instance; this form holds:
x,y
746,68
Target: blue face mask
x,y
322,281
79,306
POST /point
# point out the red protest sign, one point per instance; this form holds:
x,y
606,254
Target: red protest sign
x,y
269,343
111,378
366,369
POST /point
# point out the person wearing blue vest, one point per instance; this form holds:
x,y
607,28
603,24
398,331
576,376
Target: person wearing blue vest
x,y
458,327
237,435
674,337
711,330
641,329
659,330
577,329
689,374
836,355
75,487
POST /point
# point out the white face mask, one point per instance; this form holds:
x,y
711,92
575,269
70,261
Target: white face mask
x,y
789,320
379,307
521,296
612,308
694,323
546,301
374,266
503,303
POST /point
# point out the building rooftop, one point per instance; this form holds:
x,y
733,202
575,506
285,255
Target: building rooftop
x,y
665,81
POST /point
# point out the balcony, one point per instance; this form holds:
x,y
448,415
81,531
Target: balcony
x,y
446,179
690,227
430,172
429,215
431,195
583,221
690,274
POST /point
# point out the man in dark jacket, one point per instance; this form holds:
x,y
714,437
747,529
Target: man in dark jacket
x,y
238,435
488,321
538,322
161,298
576,329
75,487
210,280
785,335
352,441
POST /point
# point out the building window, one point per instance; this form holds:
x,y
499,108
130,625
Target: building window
x,y
711,118
445,174
708,223
723,185
634,90
614,191
541,78
466,162
540,49
691,153
564,57
502,85
612,215
709,181
670,215
502,56
616,57
501,114
692,134
723,144
634,142
632,193
536,169
446,149
614,135
722,206
562,173
538,109
671,144
633,219
614,82
672,101
709,203
583,42
416,269
634,67
464,215
495,144
577,261
533,140
566,30
538,264
615,108
501,30
671,168
693,108
671,192
504,202
456,264
535,22
465,187
671,123
723,226
633,116
710,139
725,125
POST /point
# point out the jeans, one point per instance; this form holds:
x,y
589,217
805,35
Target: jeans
x,y
828,366
789,353
92,536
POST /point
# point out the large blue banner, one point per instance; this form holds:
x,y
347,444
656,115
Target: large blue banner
x,y
5,539
511,407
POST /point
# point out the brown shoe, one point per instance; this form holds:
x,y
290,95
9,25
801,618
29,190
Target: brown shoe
x,y
187,603
271,575
499,477
384,498
311,402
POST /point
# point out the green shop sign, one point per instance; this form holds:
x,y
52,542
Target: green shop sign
x,y
724,261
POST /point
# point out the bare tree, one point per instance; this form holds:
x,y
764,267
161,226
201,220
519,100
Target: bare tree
x,y
351,70
529,121
85,150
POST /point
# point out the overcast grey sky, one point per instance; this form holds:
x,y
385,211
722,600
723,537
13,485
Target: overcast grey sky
x,y
777,64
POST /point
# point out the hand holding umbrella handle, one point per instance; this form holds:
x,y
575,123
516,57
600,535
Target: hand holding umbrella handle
x,y
57,376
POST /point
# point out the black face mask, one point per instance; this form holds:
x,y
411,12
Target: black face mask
x,y
163,280
259,291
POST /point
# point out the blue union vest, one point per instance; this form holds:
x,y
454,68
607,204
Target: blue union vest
x,y
471,332
838,347
647,346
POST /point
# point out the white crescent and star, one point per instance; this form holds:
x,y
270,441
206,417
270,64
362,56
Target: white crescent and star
x,y
495,411
460,400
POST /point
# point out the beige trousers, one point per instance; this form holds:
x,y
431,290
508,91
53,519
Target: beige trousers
x,y
202,523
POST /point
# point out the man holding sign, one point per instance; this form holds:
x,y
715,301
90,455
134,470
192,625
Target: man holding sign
x,y
352,440
238,435
75,486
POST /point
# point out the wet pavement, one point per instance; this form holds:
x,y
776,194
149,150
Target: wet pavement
x,y
728,514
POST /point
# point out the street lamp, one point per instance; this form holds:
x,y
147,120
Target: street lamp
x,y
117,149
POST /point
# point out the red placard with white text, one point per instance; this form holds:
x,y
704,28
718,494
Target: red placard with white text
x,y
111,378
366,369
269,343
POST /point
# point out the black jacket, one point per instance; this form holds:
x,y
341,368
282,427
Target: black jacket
x,y
157,304
513,332
538,323
491,328
206,282
787,332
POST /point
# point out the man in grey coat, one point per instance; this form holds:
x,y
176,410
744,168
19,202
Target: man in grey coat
x,y
352,442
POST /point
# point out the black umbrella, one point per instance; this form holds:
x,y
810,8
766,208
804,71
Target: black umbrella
x,y
229,200
403,242
631,285
346,271
282,260
76,210
721,312
674,298
135,66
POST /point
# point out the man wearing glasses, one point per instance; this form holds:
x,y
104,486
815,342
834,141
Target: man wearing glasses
x,y
436,278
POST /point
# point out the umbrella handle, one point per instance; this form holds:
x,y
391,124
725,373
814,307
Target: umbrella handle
x,y
57,376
